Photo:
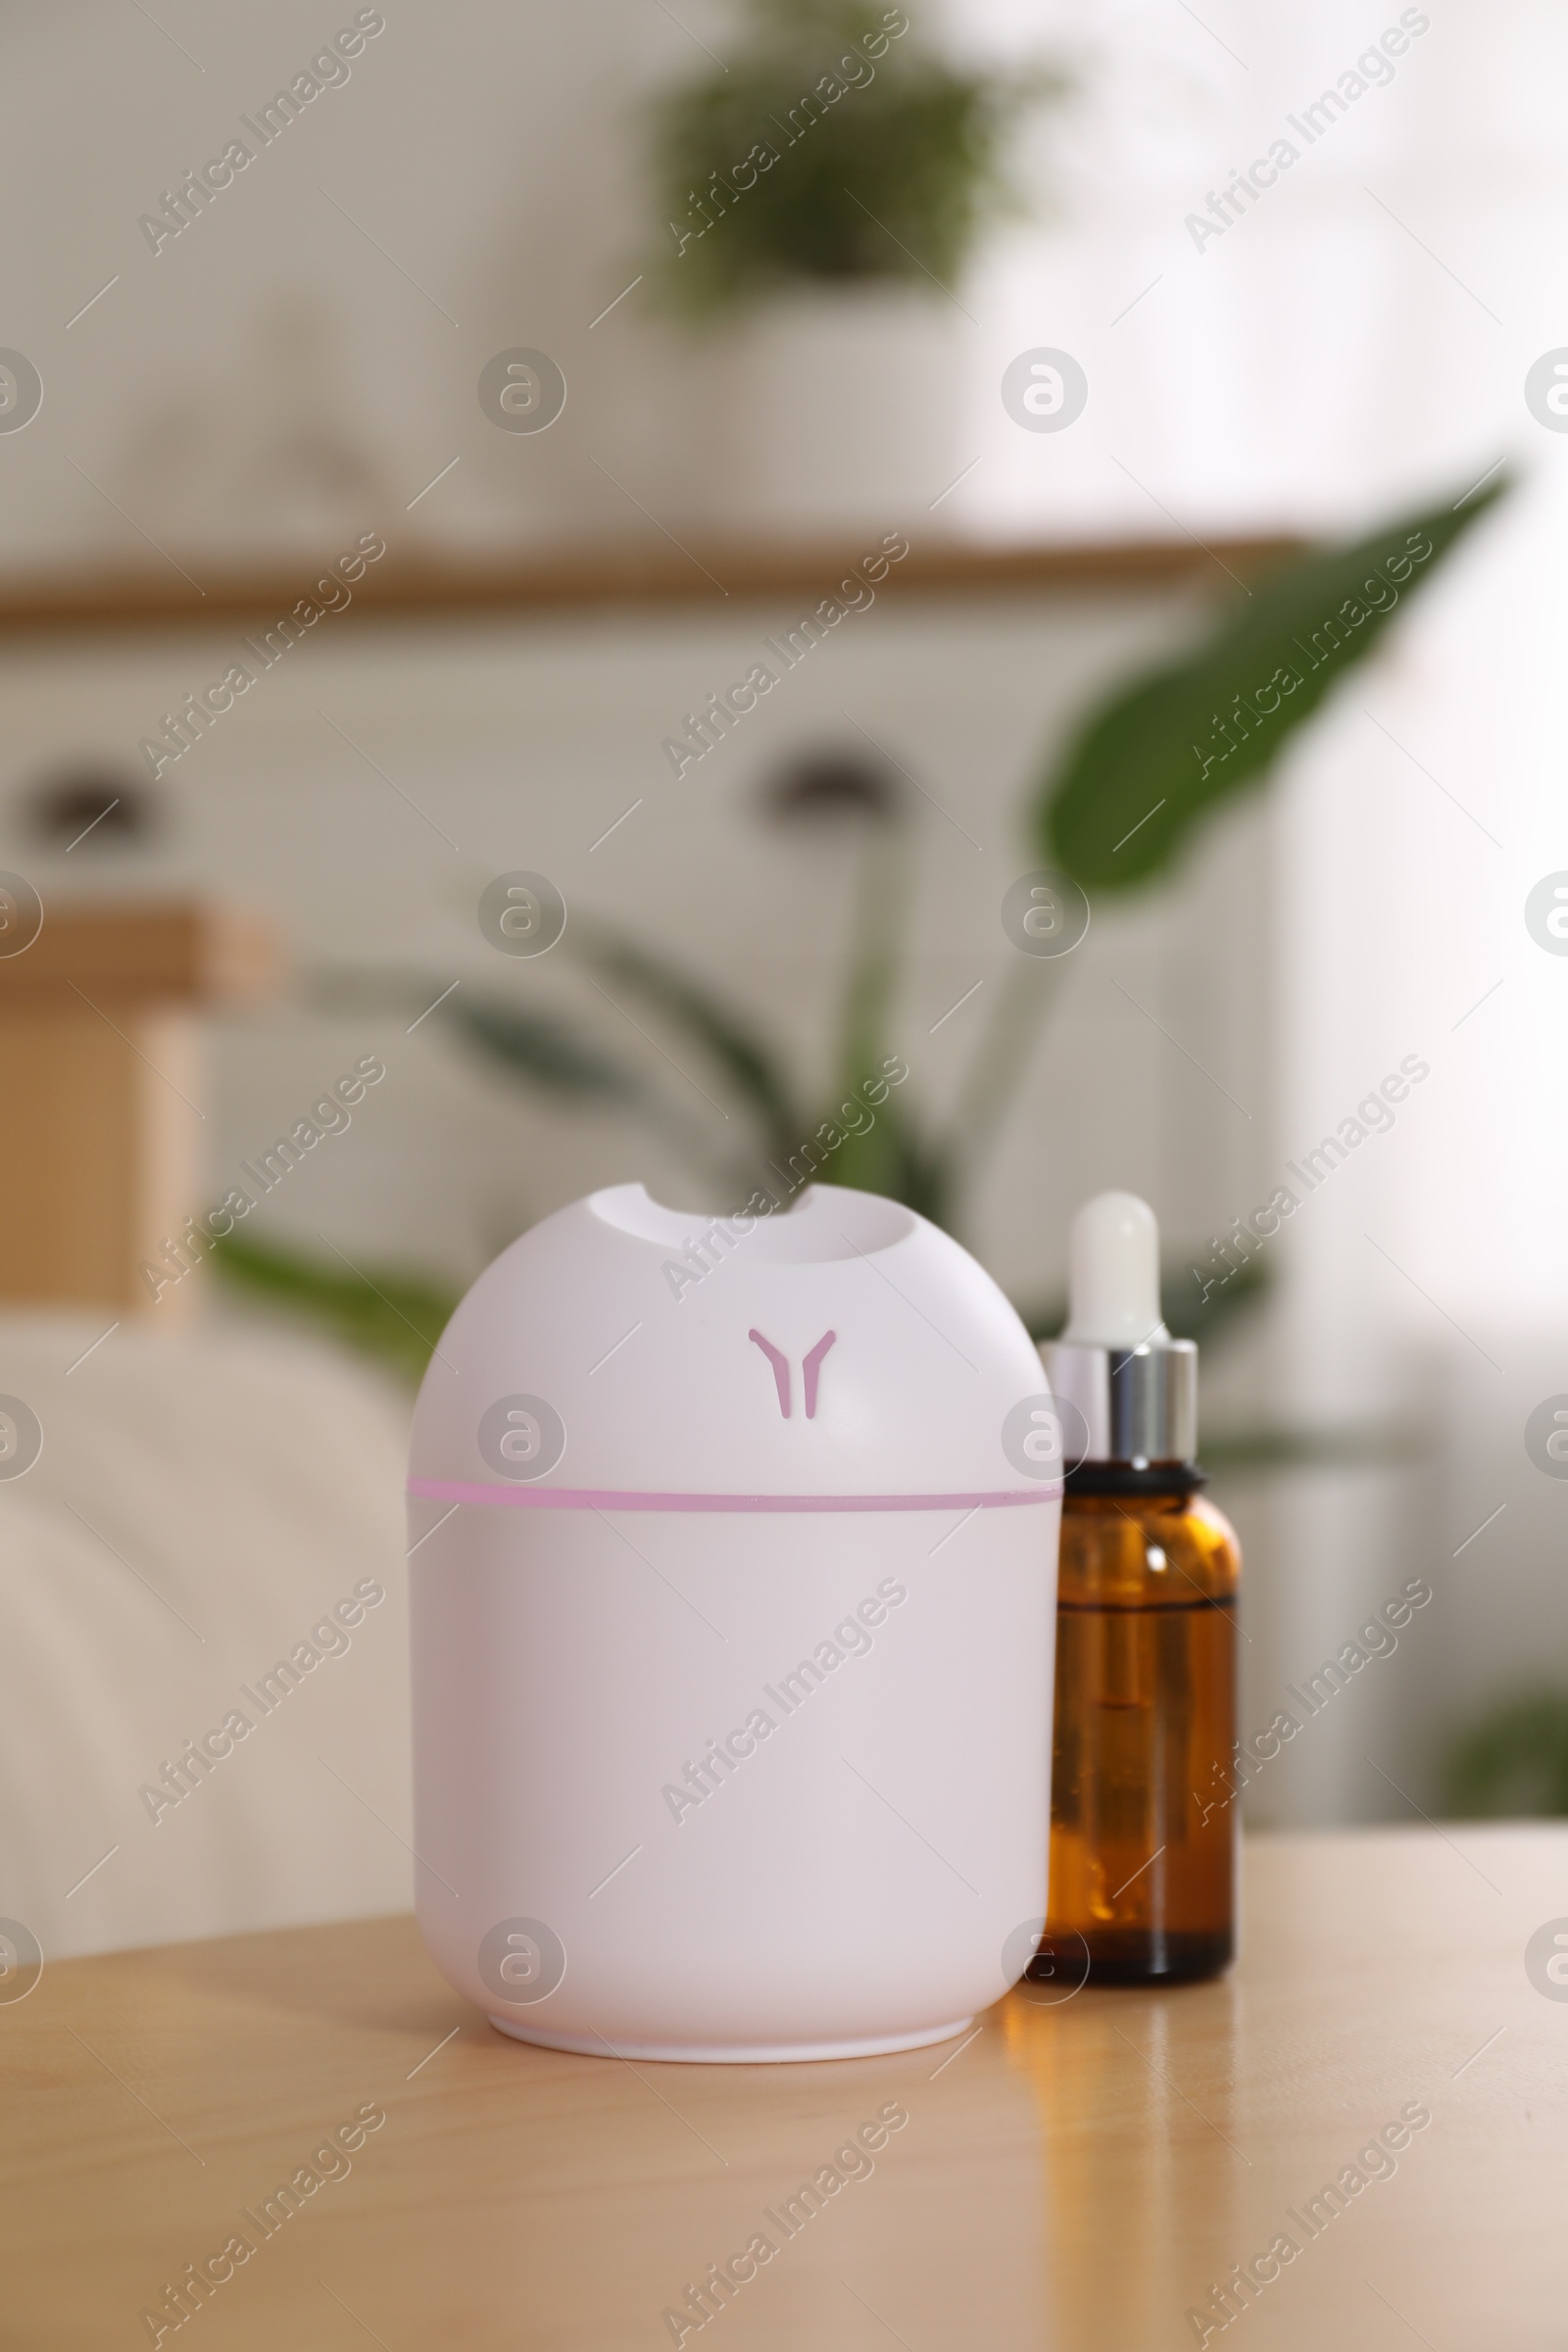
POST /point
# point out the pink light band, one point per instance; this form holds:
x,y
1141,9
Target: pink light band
x,y
612,1498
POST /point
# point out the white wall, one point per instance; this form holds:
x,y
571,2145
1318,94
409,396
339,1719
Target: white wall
x,y
1428,1280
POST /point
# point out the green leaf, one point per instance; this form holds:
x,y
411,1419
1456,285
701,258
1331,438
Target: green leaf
x,y
883,1147
894,1160
543,1048
535,1045
1014,1013
877,941
391,1315
1190,1314
1160,756
1514,1761
554,1055
878,1153
749,1060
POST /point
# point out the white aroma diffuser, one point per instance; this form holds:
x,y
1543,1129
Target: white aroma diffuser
x,y
732,1653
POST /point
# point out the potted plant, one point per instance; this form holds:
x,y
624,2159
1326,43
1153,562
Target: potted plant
x,y
819,197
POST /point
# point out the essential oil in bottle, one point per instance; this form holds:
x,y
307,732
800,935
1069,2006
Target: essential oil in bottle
x,y
1143,1834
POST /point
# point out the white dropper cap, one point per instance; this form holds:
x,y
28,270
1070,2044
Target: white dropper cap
x,y
1113,1275
1133,1387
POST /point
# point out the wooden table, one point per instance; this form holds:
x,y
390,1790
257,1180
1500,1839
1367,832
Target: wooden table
x,y
1077,2175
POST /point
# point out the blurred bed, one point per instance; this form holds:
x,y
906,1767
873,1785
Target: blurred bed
x,y
203,1710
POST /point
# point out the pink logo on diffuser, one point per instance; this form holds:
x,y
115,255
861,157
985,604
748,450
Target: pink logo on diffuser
x,y
810,1370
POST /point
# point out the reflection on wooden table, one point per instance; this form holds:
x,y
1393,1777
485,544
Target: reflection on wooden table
x,y
198,2127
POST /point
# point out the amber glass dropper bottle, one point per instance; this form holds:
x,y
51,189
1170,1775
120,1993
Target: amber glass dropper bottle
x,y
1142,1837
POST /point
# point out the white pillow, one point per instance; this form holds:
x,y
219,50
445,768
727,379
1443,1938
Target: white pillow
x,y
202,1506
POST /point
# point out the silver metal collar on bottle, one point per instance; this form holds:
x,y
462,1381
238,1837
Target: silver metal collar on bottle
x,y
1139,1405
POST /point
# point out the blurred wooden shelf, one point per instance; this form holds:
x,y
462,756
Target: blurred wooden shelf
x,y
641,573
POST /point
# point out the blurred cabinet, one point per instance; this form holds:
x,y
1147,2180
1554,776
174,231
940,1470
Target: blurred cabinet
x,y
101,1087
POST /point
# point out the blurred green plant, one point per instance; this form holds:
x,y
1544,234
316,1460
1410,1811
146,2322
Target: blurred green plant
x,y
1514,1761
830,147
1078,816
1159,760
1317,613
391,1315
